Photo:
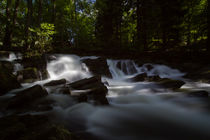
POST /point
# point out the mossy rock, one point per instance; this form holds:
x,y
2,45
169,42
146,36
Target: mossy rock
x,y
28,75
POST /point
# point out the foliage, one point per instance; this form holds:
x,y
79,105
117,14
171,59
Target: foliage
x,y
43,37
104,24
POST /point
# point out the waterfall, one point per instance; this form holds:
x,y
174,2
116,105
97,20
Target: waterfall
x,y
69,67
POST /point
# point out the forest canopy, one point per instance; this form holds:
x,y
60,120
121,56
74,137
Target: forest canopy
x,y
143,25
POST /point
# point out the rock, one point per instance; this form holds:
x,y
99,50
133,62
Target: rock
x,y
8,65
32,127
201,93
171,84
43,74
28,75
56,82
64,90
51,57
94,90
4,54
26,99
138,78
86,83
144,77
98,66
7,81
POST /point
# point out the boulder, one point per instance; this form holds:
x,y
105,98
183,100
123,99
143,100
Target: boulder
x,y
28,75
94,90
8,65
144,77
55,82
170,84
7,81
4,54
98,66
26,99
64,90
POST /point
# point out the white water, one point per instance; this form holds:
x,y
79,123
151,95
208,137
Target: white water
x,y
138,111
68,67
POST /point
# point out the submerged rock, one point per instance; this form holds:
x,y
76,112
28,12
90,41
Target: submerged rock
x,y
7,81
93,89
171,84
26,99
98,66
56,82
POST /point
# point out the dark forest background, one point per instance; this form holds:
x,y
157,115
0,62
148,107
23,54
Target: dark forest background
x,y
39,26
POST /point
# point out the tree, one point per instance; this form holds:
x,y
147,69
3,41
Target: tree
x,y
28,23
7,37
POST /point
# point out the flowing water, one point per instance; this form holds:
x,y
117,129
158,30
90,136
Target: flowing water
x,y
138,110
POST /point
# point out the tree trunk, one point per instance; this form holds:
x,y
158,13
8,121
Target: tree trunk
x,y
7,37
138,24
28,22
53,11
15,12
141,24
39,12
208,41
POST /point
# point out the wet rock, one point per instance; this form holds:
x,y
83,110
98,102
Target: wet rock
x,y
7,81
28,127
56,82
64,90
51,57
138,78
94,90
98,66
26,99
171,84
144,77
201,93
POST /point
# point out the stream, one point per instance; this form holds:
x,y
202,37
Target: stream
x,y
137,111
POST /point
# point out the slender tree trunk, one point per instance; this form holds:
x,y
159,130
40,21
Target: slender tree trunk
x,y
163,26
75,22
39,12
7,37
138,24
141,24
17,2
208,41
53,11
28,22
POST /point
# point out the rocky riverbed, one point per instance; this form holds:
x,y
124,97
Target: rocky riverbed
x,y
67,97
